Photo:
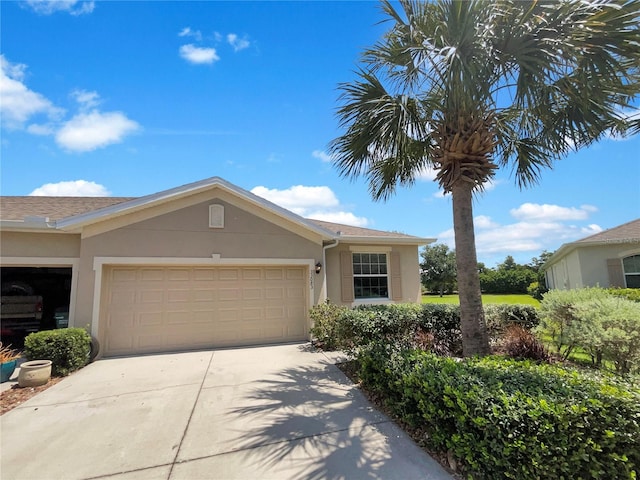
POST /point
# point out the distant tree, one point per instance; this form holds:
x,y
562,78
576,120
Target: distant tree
x,y
538,288
508,264
438,268
465,86
482,268
508,277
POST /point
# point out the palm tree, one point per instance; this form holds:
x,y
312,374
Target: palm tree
x,y
466,87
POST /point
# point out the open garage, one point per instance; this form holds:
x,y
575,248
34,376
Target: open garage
x,y
49,286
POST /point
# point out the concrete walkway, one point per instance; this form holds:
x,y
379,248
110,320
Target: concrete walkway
x,y
281,412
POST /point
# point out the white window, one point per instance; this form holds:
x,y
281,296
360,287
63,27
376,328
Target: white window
x,y
370,275
631,267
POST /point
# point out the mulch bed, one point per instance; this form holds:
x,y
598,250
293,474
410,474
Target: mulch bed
x,y
15,396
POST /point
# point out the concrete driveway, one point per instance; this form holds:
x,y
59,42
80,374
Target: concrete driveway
x,y
252,413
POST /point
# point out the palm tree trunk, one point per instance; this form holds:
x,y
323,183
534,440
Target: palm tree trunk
x,y
475,339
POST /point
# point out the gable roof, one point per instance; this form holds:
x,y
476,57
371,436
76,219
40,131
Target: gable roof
x,y
53,208
72,213
626,233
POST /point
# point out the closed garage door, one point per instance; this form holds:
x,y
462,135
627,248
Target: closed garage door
x,y
155,309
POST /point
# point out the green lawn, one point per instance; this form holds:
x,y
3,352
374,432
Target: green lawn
x,y
486,299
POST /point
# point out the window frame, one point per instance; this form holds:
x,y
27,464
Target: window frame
x,y
386,275
626,274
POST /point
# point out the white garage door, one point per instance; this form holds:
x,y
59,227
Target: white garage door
x,y
155,309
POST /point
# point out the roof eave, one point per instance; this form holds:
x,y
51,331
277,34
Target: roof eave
x,y
77,222
359,239
27,226
567,248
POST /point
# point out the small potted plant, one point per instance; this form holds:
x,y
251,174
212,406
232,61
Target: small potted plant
x,y
8,357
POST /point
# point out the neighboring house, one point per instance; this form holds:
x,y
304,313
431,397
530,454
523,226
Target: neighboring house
x,y
202,265
607,259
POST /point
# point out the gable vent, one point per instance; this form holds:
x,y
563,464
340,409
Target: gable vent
x,y
216,216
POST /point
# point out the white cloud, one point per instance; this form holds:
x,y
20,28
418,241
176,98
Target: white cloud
x,y
91,130
538,227
320,203
321,155
345,218
237,43
482,221
48,7
74,188
187,32
86,99
198,55
19,103
40,129
427,173
550,213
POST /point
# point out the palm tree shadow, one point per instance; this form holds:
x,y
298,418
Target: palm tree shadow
x,y
312,419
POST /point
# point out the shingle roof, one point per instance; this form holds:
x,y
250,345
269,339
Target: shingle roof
x,y
56,208
352,231
625,232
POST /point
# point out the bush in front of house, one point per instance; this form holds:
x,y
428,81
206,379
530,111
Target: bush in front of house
x,y
436,325
500,316
632,294
325,318
605,326
501,418
558,316
67,348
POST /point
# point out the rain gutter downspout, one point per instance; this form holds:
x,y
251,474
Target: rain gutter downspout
x,y
324,265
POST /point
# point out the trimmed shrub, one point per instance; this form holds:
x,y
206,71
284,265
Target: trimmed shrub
x,y
632,294
501,418
558,316
501,316
609,328
537,290
67,348
326,328
442,322
431,326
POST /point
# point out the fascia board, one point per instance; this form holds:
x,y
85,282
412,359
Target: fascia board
x,y
22,226
76,222
384,240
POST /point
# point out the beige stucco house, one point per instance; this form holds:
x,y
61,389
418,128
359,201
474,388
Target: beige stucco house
x,y
203,265
610,258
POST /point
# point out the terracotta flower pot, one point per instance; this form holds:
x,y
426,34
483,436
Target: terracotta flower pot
x,y
34,373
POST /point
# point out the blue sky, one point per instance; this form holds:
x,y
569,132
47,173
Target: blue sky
x,y
130,98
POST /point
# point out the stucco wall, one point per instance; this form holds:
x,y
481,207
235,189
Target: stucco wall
x,y
42,245
587,266
593,262
408,264
185,233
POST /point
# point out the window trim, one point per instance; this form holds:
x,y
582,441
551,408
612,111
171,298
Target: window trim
x,y
384,251
625,273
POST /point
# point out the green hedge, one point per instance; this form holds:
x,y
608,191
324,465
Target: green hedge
x,y
67,348
350,329
632,294
502,418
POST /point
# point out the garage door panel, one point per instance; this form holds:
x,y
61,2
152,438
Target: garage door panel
x,y
152,275
178,274
227,274
202,295
151,309
149,319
